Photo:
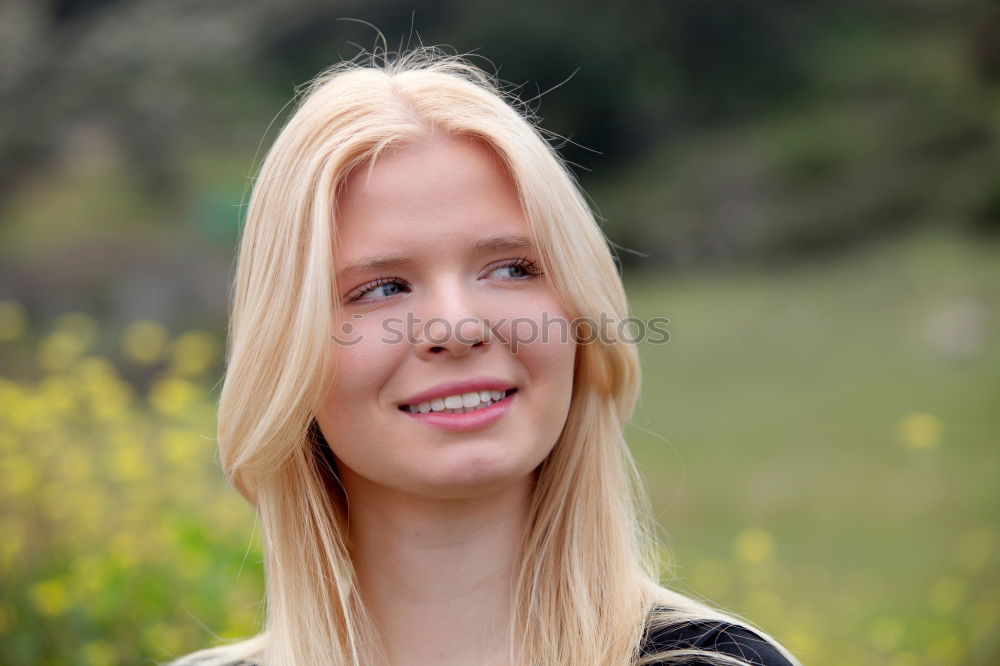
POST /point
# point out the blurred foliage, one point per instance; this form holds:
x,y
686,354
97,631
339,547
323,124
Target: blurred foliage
x,y
120,538
808,190
705,130
854,517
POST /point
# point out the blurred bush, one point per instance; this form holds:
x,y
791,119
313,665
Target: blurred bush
x,y
120,539
706,130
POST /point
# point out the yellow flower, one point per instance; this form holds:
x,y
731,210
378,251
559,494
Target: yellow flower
x,y
946,649
20,410
88,573
182,447
110,401
193,352
58,350
946,594
99,653
144,341
19,475
95,369
919,430
754,545
7,442
173,396
58,392
74,465
74,332
91,508
128,460
50,597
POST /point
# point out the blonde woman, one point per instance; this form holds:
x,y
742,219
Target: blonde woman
x,y
423,406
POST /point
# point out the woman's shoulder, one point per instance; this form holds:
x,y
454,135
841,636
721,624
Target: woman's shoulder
x,y
714,637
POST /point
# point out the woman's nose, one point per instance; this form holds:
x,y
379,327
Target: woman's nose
x,y
451,324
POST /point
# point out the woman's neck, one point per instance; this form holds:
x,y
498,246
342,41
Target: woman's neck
x,y
436,574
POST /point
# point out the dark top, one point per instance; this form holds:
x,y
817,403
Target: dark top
x,y
714,636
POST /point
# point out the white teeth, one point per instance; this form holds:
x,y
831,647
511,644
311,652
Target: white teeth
x,y
458,404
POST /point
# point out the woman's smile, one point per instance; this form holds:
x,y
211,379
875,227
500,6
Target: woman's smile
x,y
468,404
458,403
480,415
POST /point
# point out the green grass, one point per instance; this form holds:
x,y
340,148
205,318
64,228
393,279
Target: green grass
x,y
777,405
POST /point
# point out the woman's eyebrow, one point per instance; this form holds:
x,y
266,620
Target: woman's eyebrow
x,y
390,261
504,242
377,263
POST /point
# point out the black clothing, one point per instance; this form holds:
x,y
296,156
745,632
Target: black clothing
x,y
714,636
709,635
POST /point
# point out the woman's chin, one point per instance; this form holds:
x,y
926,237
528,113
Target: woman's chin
x,y
477,477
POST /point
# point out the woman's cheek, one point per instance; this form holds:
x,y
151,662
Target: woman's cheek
x,y
363,355
541,322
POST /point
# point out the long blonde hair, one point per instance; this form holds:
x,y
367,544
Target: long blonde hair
x,y
587,585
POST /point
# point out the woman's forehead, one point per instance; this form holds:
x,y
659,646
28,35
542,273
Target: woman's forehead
x,y
431,188
436,160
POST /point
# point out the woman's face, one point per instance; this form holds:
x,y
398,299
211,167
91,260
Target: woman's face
x,y
443,304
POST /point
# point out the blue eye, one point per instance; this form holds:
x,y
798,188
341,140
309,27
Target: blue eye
x,y
387,287
519,269
522,268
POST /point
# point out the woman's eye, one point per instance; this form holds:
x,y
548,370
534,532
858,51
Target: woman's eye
x,y
517,269
384,287
377,290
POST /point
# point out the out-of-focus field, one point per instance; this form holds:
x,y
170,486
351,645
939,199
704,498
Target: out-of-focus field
x,y
819,441
821,445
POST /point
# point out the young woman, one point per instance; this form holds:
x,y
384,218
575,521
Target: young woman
x,y
422,405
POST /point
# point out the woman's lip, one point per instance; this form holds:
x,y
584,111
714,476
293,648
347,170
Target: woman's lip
x,y
471,385
474,420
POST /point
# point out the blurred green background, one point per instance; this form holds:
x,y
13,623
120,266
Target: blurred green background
x,y
808,191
